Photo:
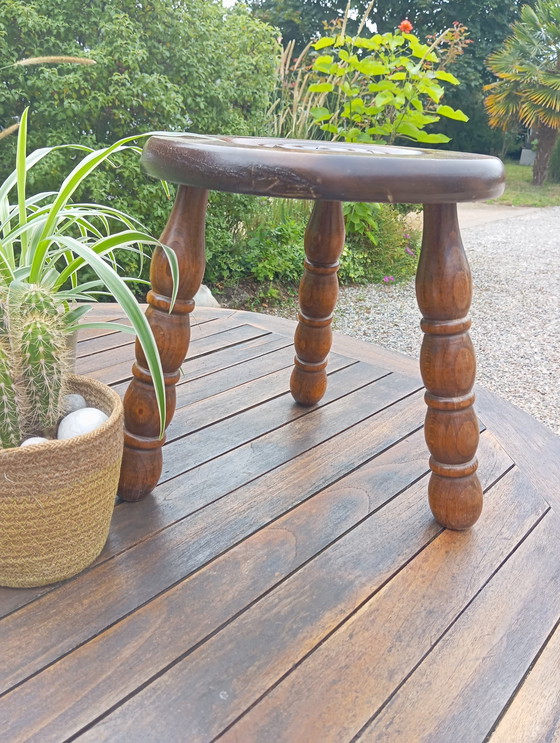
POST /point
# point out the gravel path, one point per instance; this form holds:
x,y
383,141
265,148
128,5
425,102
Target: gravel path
x,y
515,263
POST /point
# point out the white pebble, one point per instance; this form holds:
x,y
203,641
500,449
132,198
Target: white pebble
x,y
205,298
74,402
34,440
80,422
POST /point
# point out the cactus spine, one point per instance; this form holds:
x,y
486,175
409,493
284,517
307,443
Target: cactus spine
x,y
34,360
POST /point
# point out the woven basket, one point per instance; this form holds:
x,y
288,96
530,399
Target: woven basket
x,y
56,499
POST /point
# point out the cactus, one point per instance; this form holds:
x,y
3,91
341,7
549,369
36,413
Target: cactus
x,y
34,360
41,340
10,429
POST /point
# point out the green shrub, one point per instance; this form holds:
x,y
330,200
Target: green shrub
x,y
160,65
386,87
366,89
261,248
390,257
267,253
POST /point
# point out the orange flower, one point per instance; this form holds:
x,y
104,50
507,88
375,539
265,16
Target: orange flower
x,y
405,26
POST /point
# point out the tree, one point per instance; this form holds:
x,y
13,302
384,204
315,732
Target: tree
x,y
528,89
303,20
160,65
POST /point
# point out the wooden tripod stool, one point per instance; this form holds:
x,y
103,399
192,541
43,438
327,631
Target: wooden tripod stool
x,y
328,173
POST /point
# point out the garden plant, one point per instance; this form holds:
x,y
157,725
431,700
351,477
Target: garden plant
x,y
381,89
46,241
385,88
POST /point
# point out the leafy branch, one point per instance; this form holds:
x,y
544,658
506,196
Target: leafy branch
x,y
384,87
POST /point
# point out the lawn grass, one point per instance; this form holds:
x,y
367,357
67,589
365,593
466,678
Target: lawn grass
x,y
520,192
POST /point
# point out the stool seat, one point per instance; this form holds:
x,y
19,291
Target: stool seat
x,y
337,171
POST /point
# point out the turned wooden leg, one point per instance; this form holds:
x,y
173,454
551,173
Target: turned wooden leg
x,y
448,366
184,233
318,290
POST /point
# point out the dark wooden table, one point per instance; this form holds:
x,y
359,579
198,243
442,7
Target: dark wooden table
x,y
328,173
286,580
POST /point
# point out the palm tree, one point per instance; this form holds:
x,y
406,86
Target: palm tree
x,y
528,91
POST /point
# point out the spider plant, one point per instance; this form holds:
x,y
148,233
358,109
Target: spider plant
x,y
46,240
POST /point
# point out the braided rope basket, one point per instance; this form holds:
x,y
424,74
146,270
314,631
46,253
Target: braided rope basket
x,y
57,498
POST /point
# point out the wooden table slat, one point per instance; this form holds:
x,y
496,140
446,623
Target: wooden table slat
x,y
533,715
253,423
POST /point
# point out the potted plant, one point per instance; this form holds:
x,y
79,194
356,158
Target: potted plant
x,y
56,498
